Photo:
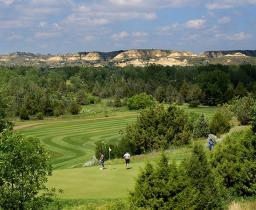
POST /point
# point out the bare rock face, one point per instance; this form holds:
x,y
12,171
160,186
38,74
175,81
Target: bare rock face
x,y
234,53
92,56
134,57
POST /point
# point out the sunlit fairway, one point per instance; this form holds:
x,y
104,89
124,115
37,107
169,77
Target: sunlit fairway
x,y
114,181
71,142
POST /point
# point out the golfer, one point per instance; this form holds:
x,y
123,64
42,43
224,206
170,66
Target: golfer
x,y
102,161
127,157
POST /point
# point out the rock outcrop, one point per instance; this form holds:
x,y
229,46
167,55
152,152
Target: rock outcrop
x,y
134,57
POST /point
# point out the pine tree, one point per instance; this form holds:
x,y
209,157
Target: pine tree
x,y
201,127
160,187
203,190
143,195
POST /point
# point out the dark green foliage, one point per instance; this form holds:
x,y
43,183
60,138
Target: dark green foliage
x,y
154,187
203,190
24,170
242,107
3,107
156,128
143,195
194,95
140,101
39,116
215,85
49,91
117,102
160,94
253,118
24,114
102,147
220,122
5,125
234,160
74,107
240,90
201,127
192,186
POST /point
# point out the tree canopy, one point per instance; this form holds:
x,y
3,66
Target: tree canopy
x,y
24,169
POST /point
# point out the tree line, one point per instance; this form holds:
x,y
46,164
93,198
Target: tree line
x,y
38,92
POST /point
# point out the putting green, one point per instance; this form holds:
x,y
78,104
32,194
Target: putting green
x,y
93,183
111,183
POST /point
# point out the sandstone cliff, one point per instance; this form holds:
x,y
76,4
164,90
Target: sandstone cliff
x,y
134,57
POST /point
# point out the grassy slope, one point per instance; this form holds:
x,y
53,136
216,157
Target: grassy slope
x,y
71,142
113,182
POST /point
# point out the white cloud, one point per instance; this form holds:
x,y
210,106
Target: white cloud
x,y
195,24
14,24
224,20
238,36
127,2
89,38
120,36
42,24
47,35
153,3
234,37
139,34
227,4
150,16
6,2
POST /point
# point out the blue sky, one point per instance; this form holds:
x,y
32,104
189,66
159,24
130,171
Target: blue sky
x,y
51,26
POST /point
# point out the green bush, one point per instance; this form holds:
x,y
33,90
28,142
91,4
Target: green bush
x,y
242,107
102,147
24,172
234,160
201,127
39,116
151,189
117,102
192,186
157,128
203,190
253,119
74,108
140,101
4,124
24,114
220,122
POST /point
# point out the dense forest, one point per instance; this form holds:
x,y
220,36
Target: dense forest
x,y
28,92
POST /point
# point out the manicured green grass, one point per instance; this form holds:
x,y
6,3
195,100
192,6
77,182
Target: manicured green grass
x,y
208,111
111,183
71,142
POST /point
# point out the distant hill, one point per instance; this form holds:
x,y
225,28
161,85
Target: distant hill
x,y
134,57
214,54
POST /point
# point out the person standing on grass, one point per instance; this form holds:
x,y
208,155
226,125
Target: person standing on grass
x,y
211,141
127,157
102,161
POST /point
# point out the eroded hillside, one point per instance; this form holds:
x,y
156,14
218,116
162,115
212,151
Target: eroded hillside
x,y
132,57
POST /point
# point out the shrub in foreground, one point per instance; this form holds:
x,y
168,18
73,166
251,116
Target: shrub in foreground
x,y
234,160
192,186
23,175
